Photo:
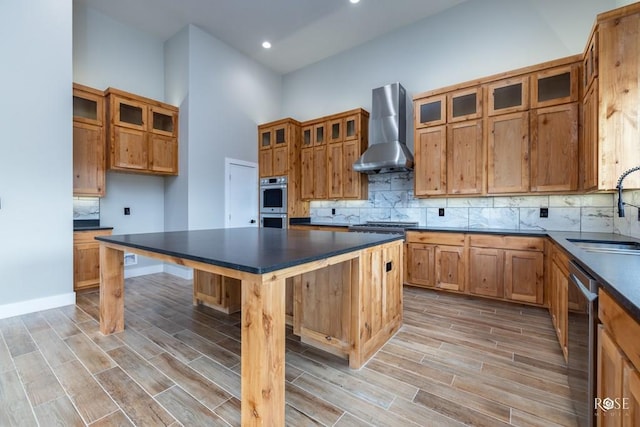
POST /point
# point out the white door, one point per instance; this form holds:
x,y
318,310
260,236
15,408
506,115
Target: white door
x,y
241,193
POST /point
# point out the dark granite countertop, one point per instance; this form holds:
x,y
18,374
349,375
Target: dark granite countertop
x,y
536,233
91,228
254,250
323,224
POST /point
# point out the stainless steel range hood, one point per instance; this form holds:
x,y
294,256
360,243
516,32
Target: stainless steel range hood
x,y
388,151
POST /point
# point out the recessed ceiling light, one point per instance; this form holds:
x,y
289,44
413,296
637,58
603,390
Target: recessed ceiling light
x,y
266,44
354,1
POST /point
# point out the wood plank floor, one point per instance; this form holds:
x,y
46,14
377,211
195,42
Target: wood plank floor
x,y
456,361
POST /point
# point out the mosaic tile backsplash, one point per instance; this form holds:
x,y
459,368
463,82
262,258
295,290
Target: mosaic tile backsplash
x,y
391,199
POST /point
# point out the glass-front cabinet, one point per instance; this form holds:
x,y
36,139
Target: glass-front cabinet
x,y
555,86
465,104
508,96
430,111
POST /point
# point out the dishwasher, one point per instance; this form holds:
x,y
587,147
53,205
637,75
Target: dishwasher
x,y
582,342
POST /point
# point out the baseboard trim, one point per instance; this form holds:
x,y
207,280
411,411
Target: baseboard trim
x,y
38,304
143,271
180,271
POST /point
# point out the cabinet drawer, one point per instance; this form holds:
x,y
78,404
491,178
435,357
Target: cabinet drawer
x,y
80,237
507,242
452,239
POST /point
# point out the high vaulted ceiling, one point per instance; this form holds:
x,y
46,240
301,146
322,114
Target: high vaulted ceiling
x,y
301,31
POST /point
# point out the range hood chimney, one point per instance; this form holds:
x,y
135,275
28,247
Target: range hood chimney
x,y
388,151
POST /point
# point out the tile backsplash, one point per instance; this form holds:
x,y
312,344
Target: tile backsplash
x,y
391,199
86,208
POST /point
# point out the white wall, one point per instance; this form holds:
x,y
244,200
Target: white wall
x,y
36,228
471,40
228,96
107,53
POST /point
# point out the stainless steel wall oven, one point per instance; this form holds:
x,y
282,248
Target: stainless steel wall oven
x,y
273,195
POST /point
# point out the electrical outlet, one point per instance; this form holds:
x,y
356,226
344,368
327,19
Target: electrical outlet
x,y
544,212
638,214
440,211
333,211
127,211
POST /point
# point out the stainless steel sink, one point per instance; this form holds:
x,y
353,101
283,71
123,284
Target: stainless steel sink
x,y
608,246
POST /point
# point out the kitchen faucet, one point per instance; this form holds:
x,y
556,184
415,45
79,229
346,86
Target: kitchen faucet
x,y
619,187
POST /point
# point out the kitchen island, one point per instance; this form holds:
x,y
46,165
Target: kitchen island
x,y
262,259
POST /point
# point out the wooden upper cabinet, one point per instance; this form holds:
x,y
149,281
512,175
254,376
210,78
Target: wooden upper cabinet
x,y
265,161
89,157
430,111
508,153
430,169
555,86
280,135
306,173
319,134
554,148
129,113
335,171
590,61
307,135
351,127
508,96
265,139
335,128
464,104
465,158
142,134
320,171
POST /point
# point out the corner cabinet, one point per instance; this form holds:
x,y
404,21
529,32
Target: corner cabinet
x,y
88,141
86,259
142,134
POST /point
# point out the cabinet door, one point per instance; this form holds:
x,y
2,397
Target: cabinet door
x,y
351,127
523,274
508,96
335,171
88,160
610,378
421,265
631,391
129,149
307,174
335,128
464,105
450,267
163,154
86,265
508,153
431,161
320,178
320,134
88,107
265,139
351,180
555,86
486,272
554,148
280,160
589,152
266,163
465,158
307,136
590,61
430,111
129,114
559,294
164,121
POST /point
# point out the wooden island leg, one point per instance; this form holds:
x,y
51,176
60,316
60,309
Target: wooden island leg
x,y
111,290
262,352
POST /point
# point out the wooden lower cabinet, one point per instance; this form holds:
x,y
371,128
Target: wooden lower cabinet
x,y
507,267
435,260
618,366
86,259
218,292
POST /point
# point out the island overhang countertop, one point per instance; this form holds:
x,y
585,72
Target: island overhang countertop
x,y
369,274
252,249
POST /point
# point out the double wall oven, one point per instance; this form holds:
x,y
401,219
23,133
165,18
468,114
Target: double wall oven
x,y
273,202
